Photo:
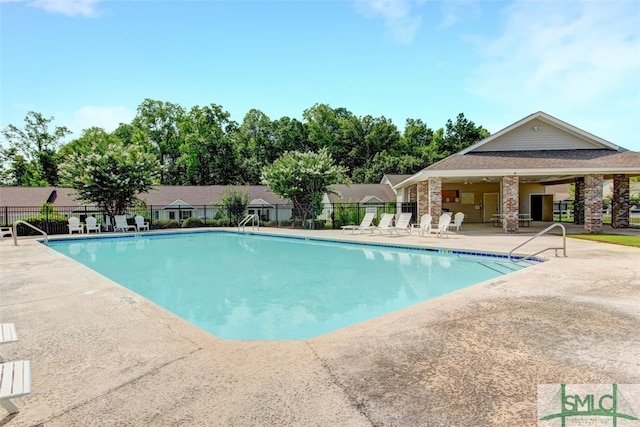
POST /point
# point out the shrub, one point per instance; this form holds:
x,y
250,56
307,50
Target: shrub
x,y
224,222
192,222
165,223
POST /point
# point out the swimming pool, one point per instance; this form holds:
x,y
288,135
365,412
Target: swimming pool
x,y
248,286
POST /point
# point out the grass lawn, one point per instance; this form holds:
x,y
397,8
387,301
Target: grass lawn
x,y
617,239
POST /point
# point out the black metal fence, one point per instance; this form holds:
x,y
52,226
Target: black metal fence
x,y
54,220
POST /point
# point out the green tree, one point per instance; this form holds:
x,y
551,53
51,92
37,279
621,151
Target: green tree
x,y
323,128
111,175
159,123
418,141
291,135
460,135
208,153
235,201
37,145
91,138
256,144
304,178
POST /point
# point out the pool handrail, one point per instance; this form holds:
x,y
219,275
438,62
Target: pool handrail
x,y
15,231
563,247
255,222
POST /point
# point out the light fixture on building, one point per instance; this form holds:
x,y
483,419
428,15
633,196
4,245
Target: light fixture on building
x,y
536,128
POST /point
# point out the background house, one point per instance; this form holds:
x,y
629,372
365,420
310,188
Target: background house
x,y
360,195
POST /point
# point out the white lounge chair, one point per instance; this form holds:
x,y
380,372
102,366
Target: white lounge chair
x,y
384,224
74,225
6,231
140,223
121,223
91,224
15,381
8,333
443,225
425,224
364,225
403,224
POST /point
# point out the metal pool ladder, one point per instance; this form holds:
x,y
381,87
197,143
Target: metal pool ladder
x,y
255,222
563,247
15,232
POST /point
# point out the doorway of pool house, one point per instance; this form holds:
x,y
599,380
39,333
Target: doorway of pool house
x,y
491,206
541,207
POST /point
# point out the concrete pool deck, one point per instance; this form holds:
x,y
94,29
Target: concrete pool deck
x,y
103,356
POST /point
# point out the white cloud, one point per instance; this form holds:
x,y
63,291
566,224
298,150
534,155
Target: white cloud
x,y
86,8
398,16
455,11
107,118
565,53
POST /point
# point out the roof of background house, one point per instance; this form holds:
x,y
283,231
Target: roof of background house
x,y
36,196
163,195
362,193
205,194
393,179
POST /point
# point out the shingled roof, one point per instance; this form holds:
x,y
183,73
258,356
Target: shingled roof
x,y
535,159
36,196
539,147
163,195
362,193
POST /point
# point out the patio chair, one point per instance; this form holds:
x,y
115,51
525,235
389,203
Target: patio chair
x,y
140,223
443,225
74,225
91,224
121,223
364,225
6,231
425,224
384,224
457,220
403,224
15,381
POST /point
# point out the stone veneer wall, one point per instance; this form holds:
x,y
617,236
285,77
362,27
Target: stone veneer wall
x,y
435,197
593,203
510,203
423,198
412,194
620,203
578,204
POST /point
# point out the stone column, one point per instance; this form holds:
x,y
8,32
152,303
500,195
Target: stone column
x,y
412,194
423,199
620,203
510,203
593,204
435,197
578,203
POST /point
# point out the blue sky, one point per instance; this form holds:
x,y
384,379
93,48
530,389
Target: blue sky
x,y
92,62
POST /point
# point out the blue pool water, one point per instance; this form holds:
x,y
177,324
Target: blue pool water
x,y
243,286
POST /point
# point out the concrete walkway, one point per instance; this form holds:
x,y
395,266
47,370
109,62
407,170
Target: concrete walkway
x,y
104,356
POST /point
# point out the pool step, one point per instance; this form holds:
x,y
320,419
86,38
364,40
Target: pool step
x,y
505,267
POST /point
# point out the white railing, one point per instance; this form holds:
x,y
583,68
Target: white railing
x,y
15,231
255,222
563,247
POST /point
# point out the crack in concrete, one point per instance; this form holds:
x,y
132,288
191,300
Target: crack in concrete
x,y
354,402
113,389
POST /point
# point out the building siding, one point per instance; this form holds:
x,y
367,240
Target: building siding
x,y
548,137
